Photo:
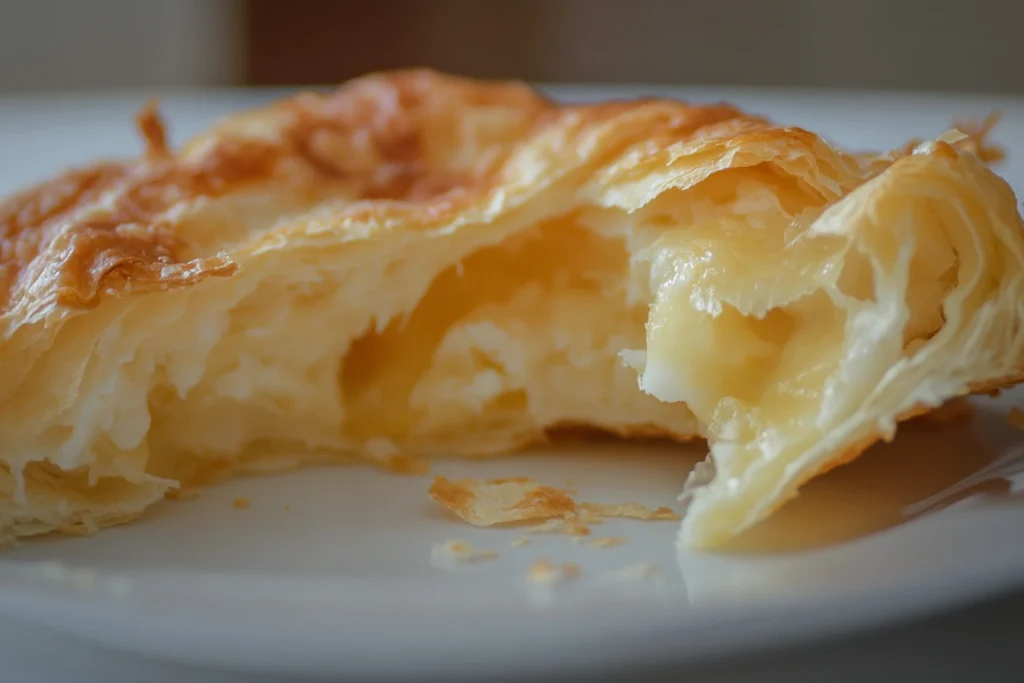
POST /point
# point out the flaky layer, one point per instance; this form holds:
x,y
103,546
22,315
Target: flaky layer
x,y
419,264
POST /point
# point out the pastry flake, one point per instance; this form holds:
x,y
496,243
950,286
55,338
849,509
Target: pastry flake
x,y
501,501
520,499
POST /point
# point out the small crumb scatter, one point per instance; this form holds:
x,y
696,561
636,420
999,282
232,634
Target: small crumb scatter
x,y
547,526
500,500
1016,417
608,542
520,542
545,572
287,508
542,571
461,551
240,503
631,510
572,524
519,499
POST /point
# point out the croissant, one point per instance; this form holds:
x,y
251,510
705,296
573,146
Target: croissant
x,y
423,264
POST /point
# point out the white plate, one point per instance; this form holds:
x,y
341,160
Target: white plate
x,y
329,571
343,579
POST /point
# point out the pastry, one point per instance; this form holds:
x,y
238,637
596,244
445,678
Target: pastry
x,y
420,264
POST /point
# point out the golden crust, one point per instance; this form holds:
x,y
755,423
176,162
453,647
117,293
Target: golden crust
x,y
414,162
394,136
105,229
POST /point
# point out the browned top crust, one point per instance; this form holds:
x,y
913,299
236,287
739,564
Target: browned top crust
x,y
414,137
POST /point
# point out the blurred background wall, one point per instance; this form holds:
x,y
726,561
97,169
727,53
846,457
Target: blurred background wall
x,y
907,44
88,44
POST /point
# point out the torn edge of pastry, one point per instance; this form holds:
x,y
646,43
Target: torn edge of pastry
x,y
520,499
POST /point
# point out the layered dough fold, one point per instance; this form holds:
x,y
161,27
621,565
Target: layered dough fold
x,y
422,264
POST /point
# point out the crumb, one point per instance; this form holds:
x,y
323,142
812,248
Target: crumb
x,y
665,513
500,500
520,499
1016,417
287,508
956,410
574,527
608,542
401,464
240,503
457,547
547,527
560,526
544,572
461,551
631,510
571,524
520,542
